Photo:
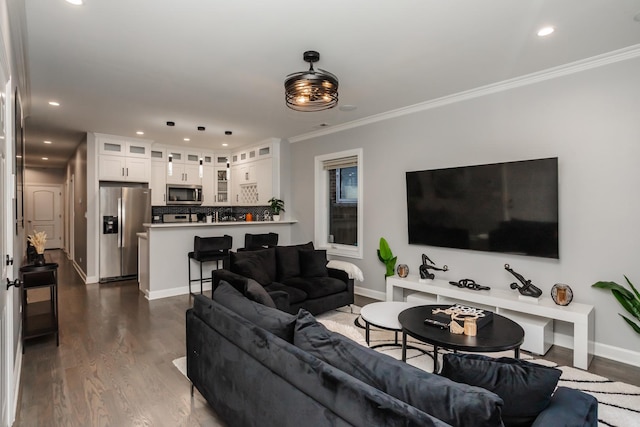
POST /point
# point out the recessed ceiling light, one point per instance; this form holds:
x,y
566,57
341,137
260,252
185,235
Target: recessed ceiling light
x,y
54,103
18,156
171,123
47,142
139,132
224,144
228,132
187,139
347,107
76,2
545,31
201,128
45,158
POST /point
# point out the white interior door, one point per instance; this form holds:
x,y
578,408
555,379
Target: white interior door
x,y
6,325
43,212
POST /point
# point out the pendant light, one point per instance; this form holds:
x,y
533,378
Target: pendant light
x,y
311,90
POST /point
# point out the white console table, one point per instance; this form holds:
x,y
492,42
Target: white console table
x,y
582,316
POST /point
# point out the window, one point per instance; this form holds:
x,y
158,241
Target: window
x,y
338,191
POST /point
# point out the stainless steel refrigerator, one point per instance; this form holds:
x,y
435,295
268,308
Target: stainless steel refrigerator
x,y
123,210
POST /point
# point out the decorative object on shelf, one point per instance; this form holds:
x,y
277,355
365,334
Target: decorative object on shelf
x,y
277,206
425,267
311,90
403,270
386,256
470,327
527,289
470,284
561,294
460,314
38,239
630,301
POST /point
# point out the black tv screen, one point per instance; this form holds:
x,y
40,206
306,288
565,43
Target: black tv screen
x,y
502,207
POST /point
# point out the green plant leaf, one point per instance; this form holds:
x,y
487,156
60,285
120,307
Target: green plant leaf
x,y
631,323
613,285
385,250
633,287
631,305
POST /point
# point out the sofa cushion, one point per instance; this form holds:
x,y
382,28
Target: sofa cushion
x,y
313,263
275,321
253,268
295,295
317,287
287,260
453,403
256,292
525,387
267,256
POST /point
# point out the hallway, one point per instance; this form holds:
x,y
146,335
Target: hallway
x,y
114,364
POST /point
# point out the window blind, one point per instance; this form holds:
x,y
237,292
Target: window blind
x,y
343,162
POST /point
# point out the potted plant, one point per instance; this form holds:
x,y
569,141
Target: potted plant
x,y
629,300
386,256
277,206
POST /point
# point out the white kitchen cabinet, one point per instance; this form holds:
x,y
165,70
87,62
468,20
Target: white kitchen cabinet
x,y
121,159
221,186
253,181
158,183
263,172
186,174
116,168
208,186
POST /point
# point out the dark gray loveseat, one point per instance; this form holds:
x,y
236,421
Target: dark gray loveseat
x,y
257,366
294,276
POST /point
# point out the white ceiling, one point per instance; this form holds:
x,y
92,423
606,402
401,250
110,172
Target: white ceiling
x,y
119,66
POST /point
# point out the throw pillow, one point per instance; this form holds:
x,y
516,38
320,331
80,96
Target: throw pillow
x,y
525,387
253,268
453,403
256,292
275,321
288,261
268,257
313,263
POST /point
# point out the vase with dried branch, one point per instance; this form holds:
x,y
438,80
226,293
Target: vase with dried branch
x,y
38,240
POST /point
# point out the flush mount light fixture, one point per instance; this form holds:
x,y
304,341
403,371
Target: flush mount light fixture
x,y
311,90
545,31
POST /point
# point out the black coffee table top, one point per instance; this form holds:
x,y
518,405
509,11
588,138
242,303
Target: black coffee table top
x,y
499,335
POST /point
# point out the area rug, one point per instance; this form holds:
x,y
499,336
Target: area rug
x,y
619,403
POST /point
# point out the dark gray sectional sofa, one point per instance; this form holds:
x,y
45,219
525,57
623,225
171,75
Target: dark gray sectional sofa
x,y
293,276
259,366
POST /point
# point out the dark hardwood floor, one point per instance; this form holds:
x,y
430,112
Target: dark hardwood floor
x,y
114,364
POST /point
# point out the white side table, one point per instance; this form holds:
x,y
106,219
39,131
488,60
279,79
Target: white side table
x,y
384,315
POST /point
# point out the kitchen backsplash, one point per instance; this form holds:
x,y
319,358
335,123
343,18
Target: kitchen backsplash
x,y
225,213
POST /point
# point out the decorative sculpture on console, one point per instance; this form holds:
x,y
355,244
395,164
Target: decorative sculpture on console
x,y
424,268
527,289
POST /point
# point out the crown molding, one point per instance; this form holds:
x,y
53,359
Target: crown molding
x,y
612,57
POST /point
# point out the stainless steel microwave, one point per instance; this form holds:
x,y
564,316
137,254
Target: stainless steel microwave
x,y
184,194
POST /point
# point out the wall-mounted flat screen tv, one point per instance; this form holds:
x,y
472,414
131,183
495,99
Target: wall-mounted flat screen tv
x,y
502,207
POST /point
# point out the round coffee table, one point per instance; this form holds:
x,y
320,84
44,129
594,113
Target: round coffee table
x,y
383,315
499,335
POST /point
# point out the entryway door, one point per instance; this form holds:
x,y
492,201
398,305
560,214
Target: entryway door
x,y
43,212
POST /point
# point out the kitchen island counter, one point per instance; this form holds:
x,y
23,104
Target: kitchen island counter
x,y
169,244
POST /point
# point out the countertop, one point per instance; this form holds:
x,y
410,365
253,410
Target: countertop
x,y
216,224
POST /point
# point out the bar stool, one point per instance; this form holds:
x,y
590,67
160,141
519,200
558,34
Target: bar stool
x,y
209,249
259,241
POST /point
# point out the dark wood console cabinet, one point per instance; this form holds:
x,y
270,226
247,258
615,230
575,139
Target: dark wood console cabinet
x,y
39,318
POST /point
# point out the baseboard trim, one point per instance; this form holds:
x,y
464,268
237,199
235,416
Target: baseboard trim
x,y
369,293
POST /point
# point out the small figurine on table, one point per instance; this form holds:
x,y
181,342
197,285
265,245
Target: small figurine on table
x,y
427,264
527,289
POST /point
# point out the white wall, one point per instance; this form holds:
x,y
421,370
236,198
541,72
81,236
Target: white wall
x,y
590,120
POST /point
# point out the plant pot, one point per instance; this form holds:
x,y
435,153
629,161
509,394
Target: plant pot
x,y
276,217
